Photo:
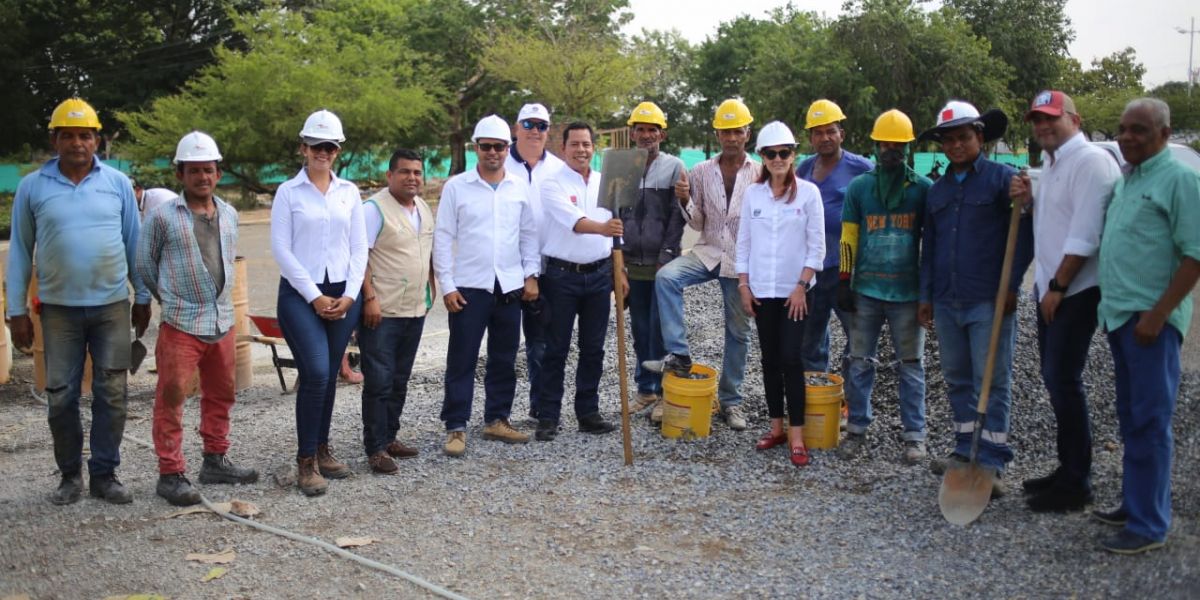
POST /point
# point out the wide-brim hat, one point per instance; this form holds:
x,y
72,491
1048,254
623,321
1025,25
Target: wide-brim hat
x,y
957,113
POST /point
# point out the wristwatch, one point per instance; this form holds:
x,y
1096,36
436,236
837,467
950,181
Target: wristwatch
x,y
1055,287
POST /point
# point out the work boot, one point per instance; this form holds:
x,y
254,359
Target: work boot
x,y
1038,485
914,452
397,450
1060,498
308,477
938,466
217,468
999,488
656,413
456,443
329,466
177,490
69,490
109,488
642,401
547,430
852,446
679,365
595,424
734,417
501,431
382,463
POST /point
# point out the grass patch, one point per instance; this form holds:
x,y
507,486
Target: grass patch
x,y
6,203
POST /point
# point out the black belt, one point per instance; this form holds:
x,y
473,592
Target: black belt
x,y
567,265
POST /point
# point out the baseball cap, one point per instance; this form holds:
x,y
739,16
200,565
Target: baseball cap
x,y
534,111
1051,102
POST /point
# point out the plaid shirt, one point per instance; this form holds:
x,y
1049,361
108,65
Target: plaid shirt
x,y
714,216
169,262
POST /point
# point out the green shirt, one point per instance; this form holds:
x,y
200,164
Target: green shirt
x,y
887,260
1152,222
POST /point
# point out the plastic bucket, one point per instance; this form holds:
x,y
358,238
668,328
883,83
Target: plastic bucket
x,y
688,404
822,412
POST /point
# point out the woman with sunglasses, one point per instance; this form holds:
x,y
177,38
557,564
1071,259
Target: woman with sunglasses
x,y
780,248
319,240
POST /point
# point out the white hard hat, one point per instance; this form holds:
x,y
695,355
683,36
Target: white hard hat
x,y
774,133
957,113
492,127
323,126
196,146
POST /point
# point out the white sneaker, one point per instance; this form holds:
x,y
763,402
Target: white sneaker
x,y
734,417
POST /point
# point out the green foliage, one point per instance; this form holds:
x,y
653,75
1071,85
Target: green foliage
x,y
664,63
1185,109
1101,93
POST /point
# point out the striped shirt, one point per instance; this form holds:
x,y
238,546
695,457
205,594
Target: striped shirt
x,y
715,217
172,267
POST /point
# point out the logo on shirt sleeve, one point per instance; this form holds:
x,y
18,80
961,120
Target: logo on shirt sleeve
x,y
574,201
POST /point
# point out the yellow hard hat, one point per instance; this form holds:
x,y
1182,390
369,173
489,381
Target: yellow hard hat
x,y
732,114
74,113
823,112
893,126
648,112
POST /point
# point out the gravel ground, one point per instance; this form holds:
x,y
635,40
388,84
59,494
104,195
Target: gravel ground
x,y
707,518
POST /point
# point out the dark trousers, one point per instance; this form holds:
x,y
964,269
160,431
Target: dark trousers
x,y
1063,346
647,334
570,294
822,304
500,316
781,340
533,326
317,345
387,353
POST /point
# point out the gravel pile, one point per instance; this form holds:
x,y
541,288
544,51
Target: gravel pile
x,y
707,518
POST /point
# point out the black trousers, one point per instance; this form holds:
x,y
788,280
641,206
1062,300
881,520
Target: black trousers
x,y
782,343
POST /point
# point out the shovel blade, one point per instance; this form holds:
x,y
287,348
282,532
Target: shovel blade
x,y
965,492
137,353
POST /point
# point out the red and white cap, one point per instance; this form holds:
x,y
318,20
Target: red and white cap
x,y
1051,102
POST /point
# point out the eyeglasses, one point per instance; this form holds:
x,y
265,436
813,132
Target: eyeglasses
x,y
326,147
538,125
770,154
496,147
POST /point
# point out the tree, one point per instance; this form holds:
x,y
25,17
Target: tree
x,y
664,60
1185,109
1102,92
255,101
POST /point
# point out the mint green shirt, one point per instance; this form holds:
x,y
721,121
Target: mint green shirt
x,y
1152,222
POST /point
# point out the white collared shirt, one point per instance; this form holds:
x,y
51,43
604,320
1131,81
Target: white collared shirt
x,y
777,239
567,198
315,234
1068,212
484,235
547,165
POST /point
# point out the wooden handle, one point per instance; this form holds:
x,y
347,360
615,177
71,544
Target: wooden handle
x,y
998,316
626,435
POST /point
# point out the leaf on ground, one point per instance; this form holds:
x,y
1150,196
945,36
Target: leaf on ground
x,y
243,509
353,542
223,557
214,573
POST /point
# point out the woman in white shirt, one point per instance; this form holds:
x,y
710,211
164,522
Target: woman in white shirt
x,y
319,240
780,248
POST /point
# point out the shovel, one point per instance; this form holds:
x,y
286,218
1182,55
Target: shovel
x,y
966,488
619,185
137,353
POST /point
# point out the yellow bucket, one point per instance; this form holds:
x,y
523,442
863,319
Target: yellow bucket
x,y
822,412
688,404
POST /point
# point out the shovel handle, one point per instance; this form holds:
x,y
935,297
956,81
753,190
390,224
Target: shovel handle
x,y
998,316
618,259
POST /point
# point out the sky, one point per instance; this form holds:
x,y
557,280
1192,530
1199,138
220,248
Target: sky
x,y
1101,27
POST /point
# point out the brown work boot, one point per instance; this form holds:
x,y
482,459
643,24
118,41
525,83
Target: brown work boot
x,y
308,478
398,450
642,401
382,463
500,430
329,466
456,443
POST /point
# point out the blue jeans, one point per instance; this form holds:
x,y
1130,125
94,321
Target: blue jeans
x,y
822,301
1147,387
964,331
647,334
908,340
534,316
500,316
387,353
69,334
588,296
669,284
317,345
1063,346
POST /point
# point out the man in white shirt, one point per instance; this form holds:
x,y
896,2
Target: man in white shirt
x,y
577,244
149,199
529,157
485,259
1068,215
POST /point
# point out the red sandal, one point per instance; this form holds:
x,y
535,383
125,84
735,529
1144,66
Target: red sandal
x,y
769,440
800,456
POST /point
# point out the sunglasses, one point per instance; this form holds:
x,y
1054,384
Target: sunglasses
x,y
769,154
538,125
326,147
496,147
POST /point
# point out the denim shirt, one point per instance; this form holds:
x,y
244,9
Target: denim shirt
x,y
833,194
966,230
